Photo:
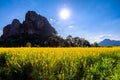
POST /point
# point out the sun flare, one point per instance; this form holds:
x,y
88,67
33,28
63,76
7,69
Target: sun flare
x,y
64,13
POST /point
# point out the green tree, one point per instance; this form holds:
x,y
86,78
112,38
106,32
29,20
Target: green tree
x,y
54,41
95,44
28,44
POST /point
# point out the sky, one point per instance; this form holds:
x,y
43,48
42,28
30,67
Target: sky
x,y
93,20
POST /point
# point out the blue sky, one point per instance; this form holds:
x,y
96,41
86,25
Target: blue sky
x,y
93,20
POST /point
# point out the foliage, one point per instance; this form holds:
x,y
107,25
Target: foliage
x,y
60,63
95,44
28,44
76,42
54,41
51,41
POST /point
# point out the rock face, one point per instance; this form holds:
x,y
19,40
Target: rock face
x,y
34,28
11,29
36,24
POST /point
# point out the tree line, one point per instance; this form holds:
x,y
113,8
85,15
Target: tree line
x,y
52,41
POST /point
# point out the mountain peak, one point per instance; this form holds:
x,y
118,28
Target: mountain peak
x,y
108,42
35,26
31,16
15,23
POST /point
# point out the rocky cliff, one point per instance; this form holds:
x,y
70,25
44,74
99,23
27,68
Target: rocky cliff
x,y
34,29
11,29
36,24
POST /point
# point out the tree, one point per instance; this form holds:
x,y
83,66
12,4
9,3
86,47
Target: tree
x,y
28,44
54,41
95,44
69,41
76,42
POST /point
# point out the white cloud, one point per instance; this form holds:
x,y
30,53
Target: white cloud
x,y
52,20
104,36
71,26
99,38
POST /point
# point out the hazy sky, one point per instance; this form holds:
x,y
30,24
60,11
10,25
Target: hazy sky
x,y
93,20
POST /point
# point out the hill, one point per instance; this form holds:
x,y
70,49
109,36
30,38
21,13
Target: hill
x,y
35,29
108,42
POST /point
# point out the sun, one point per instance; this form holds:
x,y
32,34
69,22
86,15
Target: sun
x,y
64,13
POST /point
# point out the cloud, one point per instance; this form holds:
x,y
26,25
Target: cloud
x,y
104,36
98,38
70,26
52,20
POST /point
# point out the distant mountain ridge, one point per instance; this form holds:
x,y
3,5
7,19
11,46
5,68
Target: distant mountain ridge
x,y
108,42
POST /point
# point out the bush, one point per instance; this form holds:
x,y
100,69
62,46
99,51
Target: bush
x,y
28,44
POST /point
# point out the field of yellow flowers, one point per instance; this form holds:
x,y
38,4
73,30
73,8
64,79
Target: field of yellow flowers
x,y
60,63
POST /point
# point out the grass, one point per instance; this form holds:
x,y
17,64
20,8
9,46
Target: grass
x,y
60,63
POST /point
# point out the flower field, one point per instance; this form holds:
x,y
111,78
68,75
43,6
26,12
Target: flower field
x,y
60,63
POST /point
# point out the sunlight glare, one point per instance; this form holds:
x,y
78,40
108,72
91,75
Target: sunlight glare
x,y
64,13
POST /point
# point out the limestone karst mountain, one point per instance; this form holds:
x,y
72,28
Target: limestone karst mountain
x,y
35,29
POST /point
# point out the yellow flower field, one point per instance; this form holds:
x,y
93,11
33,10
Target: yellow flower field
x,y
60,63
